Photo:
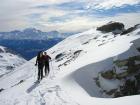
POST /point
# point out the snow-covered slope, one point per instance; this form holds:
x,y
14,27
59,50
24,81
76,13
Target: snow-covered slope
x,y
9,60
77,61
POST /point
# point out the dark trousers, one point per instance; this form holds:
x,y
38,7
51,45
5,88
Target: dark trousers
x,y
40,71
47,68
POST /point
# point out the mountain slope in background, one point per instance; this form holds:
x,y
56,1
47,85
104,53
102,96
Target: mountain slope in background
x,y
78,72
29,48
9,60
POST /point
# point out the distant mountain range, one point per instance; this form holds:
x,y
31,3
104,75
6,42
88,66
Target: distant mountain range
x,y
30,41
33,34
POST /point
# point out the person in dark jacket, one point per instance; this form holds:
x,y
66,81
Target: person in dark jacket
x,y
47,58
40,62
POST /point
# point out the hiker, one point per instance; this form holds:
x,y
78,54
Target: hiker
x,y
40,63
46,59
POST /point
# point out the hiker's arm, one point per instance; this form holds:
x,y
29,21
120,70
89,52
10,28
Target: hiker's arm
x,y
49,57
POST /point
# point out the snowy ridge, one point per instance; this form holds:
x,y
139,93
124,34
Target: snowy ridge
x,y
9,60
77,60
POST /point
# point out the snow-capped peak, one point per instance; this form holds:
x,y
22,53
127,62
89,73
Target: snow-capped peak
x,y
31,30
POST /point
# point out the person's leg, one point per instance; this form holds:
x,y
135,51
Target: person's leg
x,y
48,67
38,73
45,69
41,72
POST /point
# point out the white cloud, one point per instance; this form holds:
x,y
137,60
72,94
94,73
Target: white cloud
x,y
10,25
19,10
84,23
107,4
14,14
53,12
74,25
50,2
129,19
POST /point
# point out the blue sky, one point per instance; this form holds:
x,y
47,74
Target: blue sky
x,y
66,15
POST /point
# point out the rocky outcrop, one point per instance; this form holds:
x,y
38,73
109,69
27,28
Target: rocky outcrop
x,y
59,57
130,29
114,27
126,71
70,56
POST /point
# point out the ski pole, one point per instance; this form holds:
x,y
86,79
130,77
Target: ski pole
x,y
52,74
51,65
35,74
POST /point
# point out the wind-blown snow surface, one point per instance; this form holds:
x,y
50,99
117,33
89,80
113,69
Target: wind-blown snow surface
x,y
71,80
9,61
